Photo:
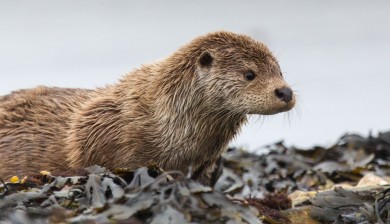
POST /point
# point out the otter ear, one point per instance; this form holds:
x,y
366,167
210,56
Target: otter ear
x,y
205,60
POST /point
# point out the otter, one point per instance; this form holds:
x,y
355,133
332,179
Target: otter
x,y
178,113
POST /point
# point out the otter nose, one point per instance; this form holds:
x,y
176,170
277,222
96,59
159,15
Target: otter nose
x,y
284,94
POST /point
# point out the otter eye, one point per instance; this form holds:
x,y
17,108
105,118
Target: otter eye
x,y
249,76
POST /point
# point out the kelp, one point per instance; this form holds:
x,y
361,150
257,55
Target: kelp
x,y
343,183
147,195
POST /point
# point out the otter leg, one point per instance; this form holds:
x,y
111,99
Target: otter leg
x,y
209,173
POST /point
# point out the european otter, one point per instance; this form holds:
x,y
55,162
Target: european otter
x,y
178,113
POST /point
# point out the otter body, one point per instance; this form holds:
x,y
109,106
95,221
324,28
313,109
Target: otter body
x,y
178,113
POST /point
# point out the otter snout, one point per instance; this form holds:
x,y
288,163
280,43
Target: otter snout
x,y
284,94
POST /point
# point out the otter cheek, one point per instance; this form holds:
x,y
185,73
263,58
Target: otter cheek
x,y
260,104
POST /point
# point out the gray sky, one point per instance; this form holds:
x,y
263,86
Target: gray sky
x,y
336,54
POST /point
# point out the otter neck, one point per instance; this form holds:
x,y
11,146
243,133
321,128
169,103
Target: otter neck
x,y
187,123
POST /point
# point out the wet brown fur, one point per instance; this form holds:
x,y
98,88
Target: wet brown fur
x,y
179,112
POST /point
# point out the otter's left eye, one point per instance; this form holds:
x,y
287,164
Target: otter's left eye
x,y
249,76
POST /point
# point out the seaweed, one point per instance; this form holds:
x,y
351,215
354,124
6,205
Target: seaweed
x,y
347,182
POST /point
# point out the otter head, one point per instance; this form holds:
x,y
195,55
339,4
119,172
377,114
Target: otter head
x,y
241,74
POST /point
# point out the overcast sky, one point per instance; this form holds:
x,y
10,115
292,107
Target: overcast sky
x,y
336,54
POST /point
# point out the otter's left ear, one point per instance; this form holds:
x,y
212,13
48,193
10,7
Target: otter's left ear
x,y
205,60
